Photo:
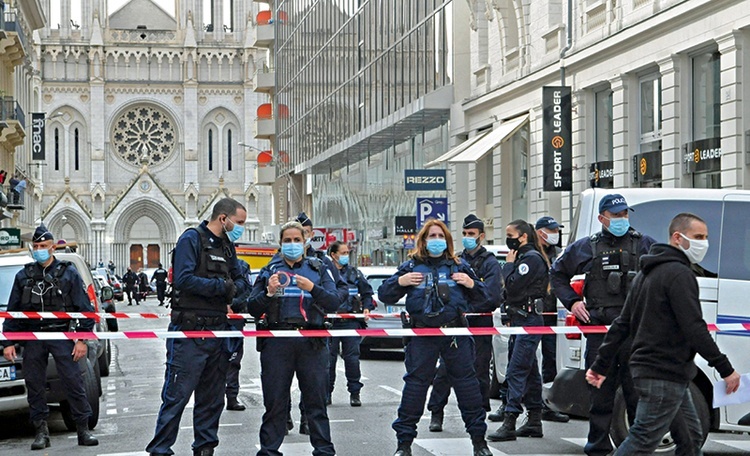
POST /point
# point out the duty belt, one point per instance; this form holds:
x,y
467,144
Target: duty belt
x,y
455,323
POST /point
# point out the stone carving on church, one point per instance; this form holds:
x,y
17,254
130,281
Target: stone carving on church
x,y
144,130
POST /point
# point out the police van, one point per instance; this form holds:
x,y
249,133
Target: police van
x,y
724,287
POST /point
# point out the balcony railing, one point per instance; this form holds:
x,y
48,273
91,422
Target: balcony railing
x,y
11,110
10,24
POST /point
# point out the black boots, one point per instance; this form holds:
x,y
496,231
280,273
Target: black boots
x,y
533,425
205,451
303,427
289,424
551,415
354,400
404,449
436,422
480,446
85,437
507,431
498,415
234,404
41,439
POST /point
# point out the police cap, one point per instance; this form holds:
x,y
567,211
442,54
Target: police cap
x,y
547,222
472,221
304,220
613,203
42,234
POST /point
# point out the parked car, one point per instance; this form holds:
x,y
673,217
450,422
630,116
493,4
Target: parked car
x,y
376,275
12,387
113,282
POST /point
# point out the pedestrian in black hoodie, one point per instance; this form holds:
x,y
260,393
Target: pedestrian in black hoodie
x,y
662,314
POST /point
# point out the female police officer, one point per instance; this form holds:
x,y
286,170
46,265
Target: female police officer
x,y
294,292
439,287
526,285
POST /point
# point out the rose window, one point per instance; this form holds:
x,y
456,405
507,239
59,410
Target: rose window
x,y
144,135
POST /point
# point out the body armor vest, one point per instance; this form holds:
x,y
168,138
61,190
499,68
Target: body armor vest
x,y
354,303
438,299
614,267
42,293
292,305
213,263
537,289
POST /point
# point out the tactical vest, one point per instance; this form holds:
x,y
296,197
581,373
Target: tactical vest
x,y
613,269
354,303
213,263
289,306
438,299
160,275
537,288
42,292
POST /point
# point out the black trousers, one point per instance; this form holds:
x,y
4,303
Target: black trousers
x,y
441,385
161,288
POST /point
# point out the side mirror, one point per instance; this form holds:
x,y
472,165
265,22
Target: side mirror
x,y
107,293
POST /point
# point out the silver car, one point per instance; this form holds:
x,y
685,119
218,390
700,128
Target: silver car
x,y
376,275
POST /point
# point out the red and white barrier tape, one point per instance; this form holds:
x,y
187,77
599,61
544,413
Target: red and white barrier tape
x,y
152,316
164,334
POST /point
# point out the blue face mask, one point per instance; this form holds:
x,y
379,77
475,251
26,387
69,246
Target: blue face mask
x,y
41,256
619,226
292,250
236,232
469,243
436,247
344,260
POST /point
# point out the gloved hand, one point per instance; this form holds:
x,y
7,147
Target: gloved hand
x,y
230,289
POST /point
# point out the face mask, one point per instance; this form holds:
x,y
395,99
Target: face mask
x,y
344,260
469,243
292,250
236,232
618,226
512,243
553,238
41,256
308,241
697,250
436,247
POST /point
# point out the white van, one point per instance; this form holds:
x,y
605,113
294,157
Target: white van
x,y
723,296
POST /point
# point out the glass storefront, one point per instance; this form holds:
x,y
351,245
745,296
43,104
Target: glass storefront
x,y
706,120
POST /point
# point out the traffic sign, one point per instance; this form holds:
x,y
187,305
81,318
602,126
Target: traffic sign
x,y
428,208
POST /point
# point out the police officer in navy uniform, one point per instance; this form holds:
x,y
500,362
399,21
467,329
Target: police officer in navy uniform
x,y
439,289
50,285
131,282
160,276
610,260
293,292
237,344
548,232
526,278
487,268
205,269
359,301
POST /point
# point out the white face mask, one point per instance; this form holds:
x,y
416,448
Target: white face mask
x,y
552,238
697,250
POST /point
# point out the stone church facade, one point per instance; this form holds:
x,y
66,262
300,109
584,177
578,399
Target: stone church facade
x,y
147,125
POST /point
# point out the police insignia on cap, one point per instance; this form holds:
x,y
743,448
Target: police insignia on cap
x,y
523,269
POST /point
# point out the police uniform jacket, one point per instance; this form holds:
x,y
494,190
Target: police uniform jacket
x,y
292,306
578,258
130,279
342,288
359,288
487,268
244,287
211,290
72,298
160,275
438,300
526,278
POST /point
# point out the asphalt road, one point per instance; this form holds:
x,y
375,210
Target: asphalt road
x,y
131,401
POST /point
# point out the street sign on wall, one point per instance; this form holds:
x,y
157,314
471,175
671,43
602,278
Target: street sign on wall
x,y
405,225
424,179
37,135
10,237
428,208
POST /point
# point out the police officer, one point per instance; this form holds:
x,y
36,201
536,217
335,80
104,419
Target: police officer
x,y
205,268
487,269
439,288
143,286
526,282
49,285
359,301
293,292
237,344
131,281
160,276
609,259
548,232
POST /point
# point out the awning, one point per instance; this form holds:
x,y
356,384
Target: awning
x,y
490,141
456,150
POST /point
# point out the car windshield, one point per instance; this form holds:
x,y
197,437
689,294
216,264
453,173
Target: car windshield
x,y
7,275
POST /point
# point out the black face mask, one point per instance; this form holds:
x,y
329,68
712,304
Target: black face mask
x,y
512,243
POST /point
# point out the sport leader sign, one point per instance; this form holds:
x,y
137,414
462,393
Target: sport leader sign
x,y
557,140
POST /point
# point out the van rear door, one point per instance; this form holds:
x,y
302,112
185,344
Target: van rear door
x,y
734,289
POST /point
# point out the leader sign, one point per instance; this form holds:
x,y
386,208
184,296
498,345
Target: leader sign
x,y
557,155
37,135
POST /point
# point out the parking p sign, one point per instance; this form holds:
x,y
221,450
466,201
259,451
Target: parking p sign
x,y
428,208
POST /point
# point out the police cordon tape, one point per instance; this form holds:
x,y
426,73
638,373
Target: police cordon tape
x,y
164,334
151,316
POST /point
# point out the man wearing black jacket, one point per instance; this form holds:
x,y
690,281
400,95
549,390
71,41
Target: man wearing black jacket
x,y
662,315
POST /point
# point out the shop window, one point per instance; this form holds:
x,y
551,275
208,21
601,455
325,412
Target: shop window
x,y
650,112
706,96
603,128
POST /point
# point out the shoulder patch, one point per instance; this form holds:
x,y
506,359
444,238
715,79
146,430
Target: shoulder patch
x,y
523,269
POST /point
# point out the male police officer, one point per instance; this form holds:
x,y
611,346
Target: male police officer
x,y
487,268
609,259
160,276
50,285
548,231
205,268
131,281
